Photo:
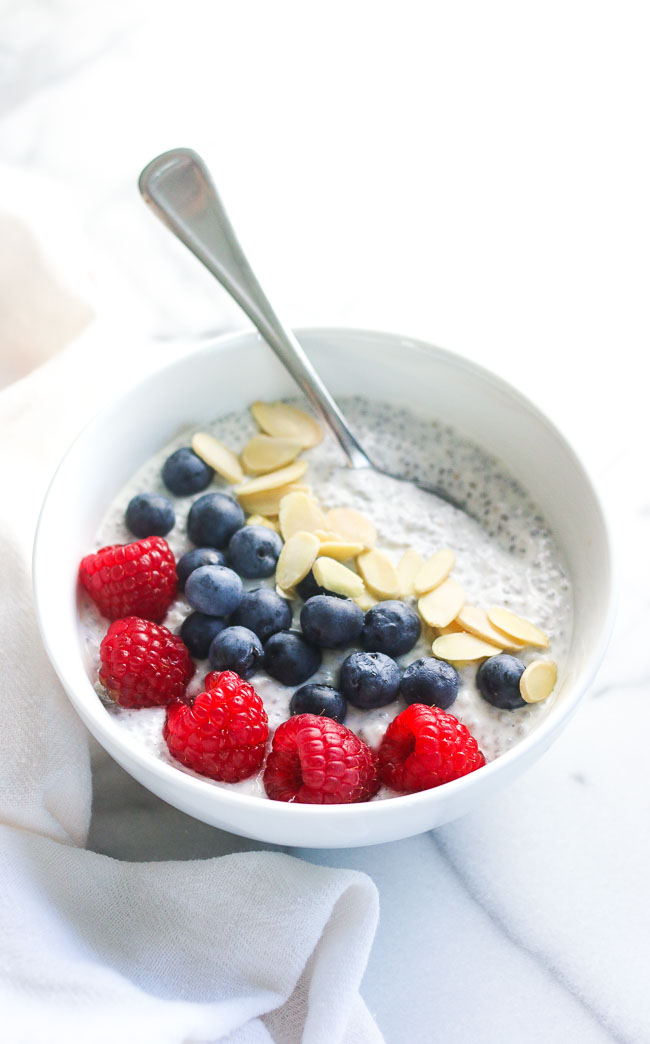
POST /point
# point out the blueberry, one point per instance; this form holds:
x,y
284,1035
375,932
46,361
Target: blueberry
x,y
264,612
213,519
184,473
390,627
289,658
214,590
331,622
198,556
430,681
253,551
498,681
150,514
369,679
236,649
319,699
197,632
309,587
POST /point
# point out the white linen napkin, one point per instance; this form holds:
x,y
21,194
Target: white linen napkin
x,y
245,948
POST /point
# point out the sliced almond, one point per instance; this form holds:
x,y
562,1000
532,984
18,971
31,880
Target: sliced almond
x,y
516,627
289,596
365,601
349,524
462,647
300,512
287,422
409,566
335,577
538,681
274,479
442,605
268,502
265,453
452,628
260,520
379,573
339,549
434,571
296,559
218,456
475,621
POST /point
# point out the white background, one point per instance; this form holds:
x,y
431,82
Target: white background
x,y
475,174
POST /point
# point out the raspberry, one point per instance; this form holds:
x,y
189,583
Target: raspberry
x,y
424,747
223,732
143,664
136,579
317,761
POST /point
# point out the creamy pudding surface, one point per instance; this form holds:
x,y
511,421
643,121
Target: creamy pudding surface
x,y
505,556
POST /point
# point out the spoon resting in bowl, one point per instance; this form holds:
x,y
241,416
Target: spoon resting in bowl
x,y
178,187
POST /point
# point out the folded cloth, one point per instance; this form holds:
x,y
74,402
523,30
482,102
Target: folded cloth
x,y
245,948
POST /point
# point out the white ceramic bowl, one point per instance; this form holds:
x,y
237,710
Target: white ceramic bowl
x,y
231,373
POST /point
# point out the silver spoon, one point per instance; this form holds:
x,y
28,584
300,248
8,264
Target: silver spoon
x,y
178,187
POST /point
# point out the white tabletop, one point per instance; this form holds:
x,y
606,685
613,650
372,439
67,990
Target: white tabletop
x,y
478,178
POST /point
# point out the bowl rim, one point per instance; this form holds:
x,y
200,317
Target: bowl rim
x,y
106,729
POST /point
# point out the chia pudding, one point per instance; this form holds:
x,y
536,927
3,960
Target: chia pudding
x,y
505,556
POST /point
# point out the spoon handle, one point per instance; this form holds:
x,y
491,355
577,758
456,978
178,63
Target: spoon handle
x,y
178,187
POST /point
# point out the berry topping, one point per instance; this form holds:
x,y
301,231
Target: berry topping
x,y
185,473
143,664
369,679
222,733
424,747
150,514
390,627
429,681
213,519
136,579
290,659
254,551
498,681
331,622
319,699
215,590
317,761
264,612
309,587
236,649
198,556
198,630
